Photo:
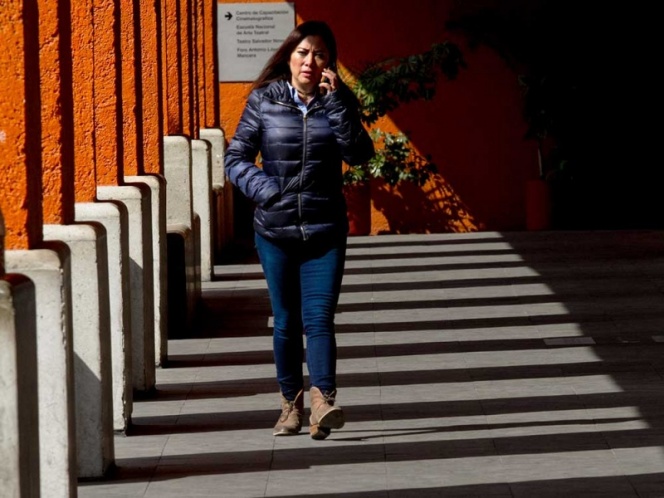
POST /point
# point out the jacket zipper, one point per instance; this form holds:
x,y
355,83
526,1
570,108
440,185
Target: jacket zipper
x,y
304,161
305,235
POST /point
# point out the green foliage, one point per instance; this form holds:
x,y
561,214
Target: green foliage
x,y
356,174
381,88
395,161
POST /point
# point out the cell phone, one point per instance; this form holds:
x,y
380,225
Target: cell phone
x,y
323,90
324,79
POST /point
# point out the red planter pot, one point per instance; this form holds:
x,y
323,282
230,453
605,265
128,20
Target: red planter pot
x,y
538,205
358,200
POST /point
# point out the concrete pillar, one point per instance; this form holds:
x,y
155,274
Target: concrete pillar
x,y
157,185
181,235
114,218
177,170
201,159
92,344
221,226
33,186
49,270
137,201
218,146
19,409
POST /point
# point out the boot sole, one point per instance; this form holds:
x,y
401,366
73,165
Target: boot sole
x,y
286,432
334,419
318,433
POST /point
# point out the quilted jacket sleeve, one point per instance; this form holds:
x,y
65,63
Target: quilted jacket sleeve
x,y
344,118
240,157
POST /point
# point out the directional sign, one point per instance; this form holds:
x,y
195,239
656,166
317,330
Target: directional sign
x,y
249,33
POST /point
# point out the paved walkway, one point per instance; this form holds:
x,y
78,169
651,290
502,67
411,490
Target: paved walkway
x,y
486,364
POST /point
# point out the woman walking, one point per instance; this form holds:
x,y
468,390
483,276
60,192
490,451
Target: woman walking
x,y
303,121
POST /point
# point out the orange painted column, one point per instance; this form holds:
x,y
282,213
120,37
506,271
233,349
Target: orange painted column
x,y
197,56
109,153
171,75
198,52
82,35
2,244
150,90
208,86
20,148
132,123
57,139
186,67
99,151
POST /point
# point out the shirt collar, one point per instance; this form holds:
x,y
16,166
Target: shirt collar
x,y
300,103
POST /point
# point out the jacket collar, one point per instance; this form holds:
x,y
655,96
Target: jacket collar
x,y
279,91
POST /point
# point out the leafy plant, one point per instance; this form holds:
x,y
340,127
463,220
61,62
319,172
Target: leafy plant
x,y
384,86
395,161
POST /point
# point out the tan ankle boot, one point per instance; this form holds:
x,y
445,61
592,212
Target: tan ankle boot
x,y
324,415
290,420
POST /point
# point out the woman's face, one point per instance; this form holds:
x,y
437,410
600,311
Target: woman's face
x,y
307,62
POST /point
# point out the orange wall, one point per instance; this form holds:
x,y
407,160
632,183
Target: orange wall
x,y
473,129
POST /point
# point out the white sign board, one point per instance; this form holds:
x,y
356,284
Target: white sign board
x,y
249,33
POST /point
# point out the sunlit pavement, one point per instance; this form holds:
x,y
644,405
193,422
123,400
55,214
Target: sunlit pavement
x,y
486,364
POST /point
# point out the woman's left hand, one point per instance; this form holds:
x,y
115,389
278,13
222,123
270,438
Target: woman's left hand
x,y
329,81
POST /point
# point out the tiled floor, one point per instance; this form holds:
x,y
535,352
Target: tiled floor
x,y
486,364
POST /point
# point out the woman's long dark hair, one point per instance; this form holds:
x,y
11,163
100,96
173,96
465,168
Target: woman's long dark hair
x,y
277,67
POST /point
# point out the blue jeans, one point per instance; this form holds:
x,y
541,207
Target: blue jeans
x,y
304,281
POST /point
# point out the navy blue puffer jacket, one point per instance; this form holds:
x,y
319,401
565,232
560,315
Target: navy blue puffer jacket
x,y
298,191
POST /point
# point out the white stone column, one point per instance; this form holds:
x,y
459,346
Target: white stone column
x,y
49,270
92,343
19,409
202,198
180,233
113,217
215,136
136,199
222,221
157,185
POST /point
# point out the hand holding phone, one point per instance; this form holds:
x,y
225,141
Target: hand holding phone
x,y
328,80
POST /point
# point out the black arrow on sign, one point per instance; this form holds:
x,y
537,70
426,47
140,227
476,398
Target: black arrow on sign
x,y
228,16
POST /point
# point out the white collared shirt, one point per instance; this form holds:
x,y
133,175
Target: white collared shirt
x,y
300,103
